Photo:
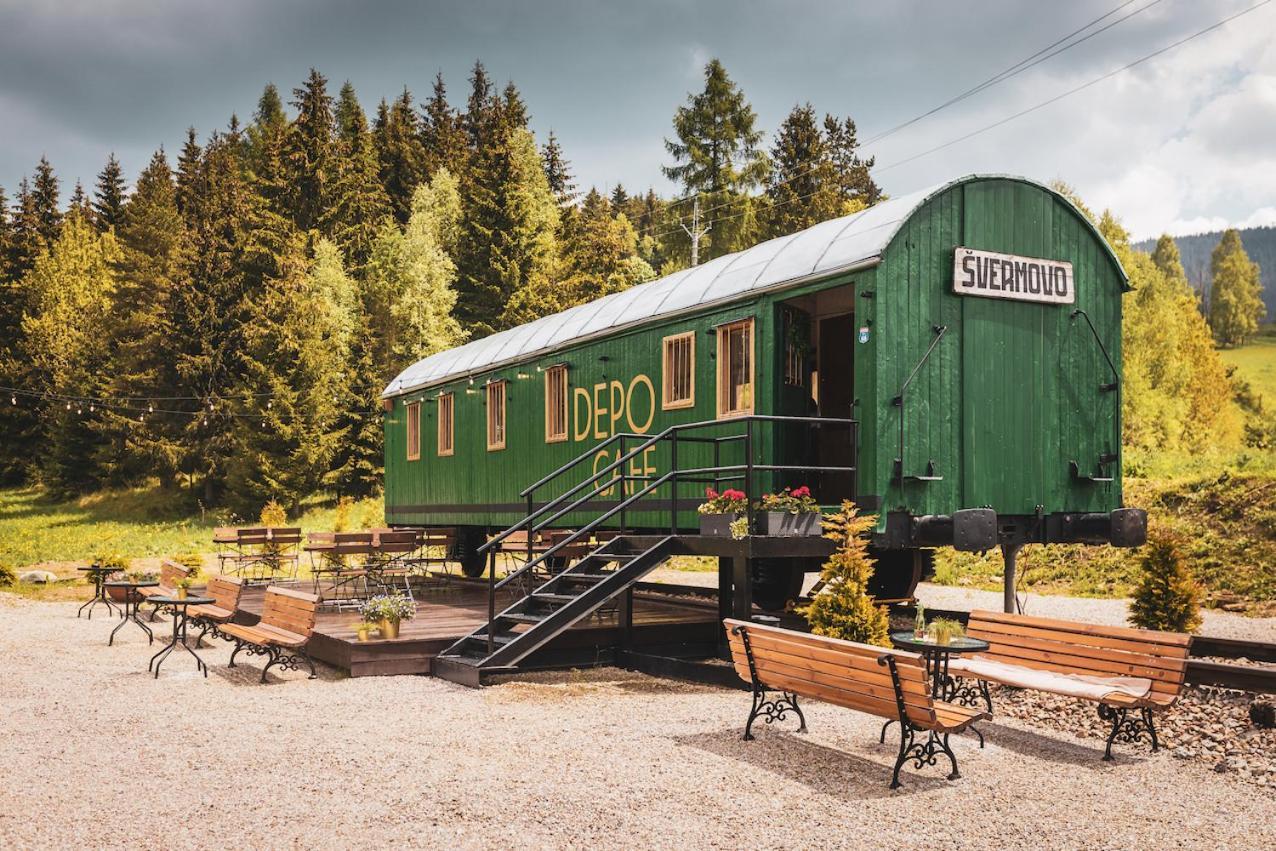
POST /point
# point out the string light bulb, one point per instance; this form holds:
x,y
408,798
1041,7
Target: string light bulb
x,y
68,406
13,399
150,407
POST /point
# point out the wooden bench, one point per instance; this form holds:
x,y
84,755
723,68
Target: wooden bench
x,y
1121,668
258,553
888,684
171,573
225,591
287,621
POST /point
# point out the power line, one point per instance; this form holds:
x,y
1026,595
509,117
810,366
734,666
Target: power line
x,y
1002,76
1021,113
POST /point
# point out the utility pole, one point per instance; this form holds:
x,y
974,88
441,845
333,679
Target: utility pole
x,y
695,231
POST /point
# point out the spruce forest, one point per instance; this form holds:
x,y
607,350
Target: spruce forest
x,y
224,321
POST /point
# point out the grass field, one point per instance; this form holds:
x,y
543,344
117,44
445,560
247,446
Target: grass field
x,y
1256,363
138,523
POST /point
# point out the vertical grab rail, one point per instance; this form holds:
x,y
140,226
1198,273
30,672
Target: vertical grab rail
x,y
673,483
898,402
1113,387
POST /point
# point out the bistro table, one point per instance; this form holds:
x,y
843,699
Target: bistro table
x,y
944,686
132,602
99,573
178,605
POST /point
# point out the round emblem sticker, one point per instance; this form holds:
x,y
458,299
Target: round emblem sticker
x,y
863,336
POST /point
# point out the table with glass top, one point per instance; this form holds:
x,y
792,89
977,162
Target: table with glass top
x,y
132,602
99,573
944,686
178,606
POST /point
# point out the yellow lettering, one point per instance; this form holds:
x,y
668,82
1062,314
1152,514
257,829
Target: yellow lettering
x,y
599,411
580,431
617,395
605,457
648,466
651,404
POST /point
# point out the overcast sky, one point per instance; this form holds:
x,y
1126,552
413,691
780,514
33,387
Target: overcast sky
x,y
1185,142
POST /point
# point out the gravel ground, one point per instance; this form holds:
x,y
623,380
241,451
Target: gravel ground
x,y
98,754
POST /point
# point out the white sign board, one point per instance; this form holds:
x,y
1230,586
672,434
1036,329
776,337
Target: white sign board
x,y
993,275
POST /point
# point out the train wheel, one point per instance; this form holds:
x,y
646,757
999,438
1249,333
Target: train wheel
x,y
776,581
897,572
468,540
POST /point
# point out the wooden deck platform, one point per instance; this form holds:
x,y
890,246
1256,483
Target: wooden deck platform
x,y
448,612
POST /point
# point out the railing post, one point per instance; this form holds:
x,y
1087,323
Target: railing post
x,y
491,598
748,473
673,483
531,527
624,487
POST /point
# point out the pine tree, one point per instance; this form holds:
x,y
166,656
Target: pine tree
x,y
188,163
855,185
508,243
803,189
359,202
296,350
108,196
558,171
1166,257
716,155
479,120
400,153
80,205
1236,294
266,154
409,279
308,152
844,608
1166,597
44,194
150,272
442,138
69,297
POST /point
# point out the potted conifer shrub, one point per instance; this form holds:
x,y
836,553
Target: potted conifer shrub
x,y
720,510
844,608
790,513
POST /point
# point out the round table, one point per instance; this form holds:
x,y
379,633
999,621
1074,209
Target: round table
x,y
99,574
132,601
178,605
943,686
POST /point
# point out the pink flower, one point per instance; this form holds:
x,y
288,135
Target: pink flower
x,y
710,493
801,492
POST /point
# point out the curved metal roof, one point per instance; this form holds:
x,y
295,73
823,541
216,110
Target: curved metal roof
x,y
830,247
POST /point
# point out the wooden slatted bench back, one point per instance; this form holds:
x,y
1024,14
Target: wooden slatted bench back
x,y
225,591
171,573
397,540
284,535
289,610
835,671
1068,647
252,537
352,543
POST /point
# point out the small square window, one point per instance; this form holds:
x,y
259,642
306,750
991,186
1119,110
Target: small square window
x,y
678,374
414,430
446,424
496,415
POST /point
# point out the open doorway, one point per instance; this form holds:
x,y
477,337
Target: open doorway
x,y
818,379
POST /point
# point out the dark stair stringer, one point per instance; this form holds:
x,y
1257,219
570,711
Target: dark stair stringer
x,y
552,608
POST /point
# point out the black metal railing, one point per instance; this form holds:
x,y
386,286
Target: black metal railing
x,y
612,475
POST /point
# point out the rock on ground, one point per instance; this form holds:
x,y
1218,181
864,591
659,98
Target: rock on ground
x,y
98,754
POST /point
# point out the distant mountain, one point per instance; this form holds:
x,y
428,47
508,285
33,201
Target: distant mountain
x,y
1260,245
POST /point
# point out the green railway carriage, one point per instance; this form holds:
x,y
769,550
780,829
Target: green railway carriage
x,y
962,345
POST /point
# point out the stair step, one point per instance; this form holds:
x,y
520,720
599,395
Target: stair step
x,y
522,617
499,640
546,597
585,577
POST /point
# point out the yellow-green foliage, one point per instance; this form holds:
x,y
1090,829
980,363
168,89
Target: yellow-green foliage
x,y
1167,598
1176,391
844,608
1236,294
191,560
273,514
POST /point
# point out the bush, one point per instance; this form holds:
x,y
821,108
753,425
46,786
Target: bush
x,y
844,608
7,576
193,561
1166,597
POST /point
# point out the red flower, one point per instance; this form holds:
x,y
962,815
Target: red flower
x,y
802,492
710,493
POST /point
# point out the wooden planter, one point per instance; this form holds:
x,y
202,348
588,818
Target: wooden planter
x,y
782,524
717,525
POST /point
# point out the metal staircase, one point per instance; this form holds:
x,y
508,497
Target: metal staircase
x,y
552,607
549,601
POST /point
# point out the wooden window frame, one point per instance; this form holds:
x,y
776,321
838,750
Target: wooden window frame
x,y
496,389
724,365
446,400
552,436
666,404
412,411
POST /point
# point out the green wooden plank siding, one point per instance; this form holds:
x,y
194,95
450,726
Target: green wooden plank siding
x,y
1009,396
